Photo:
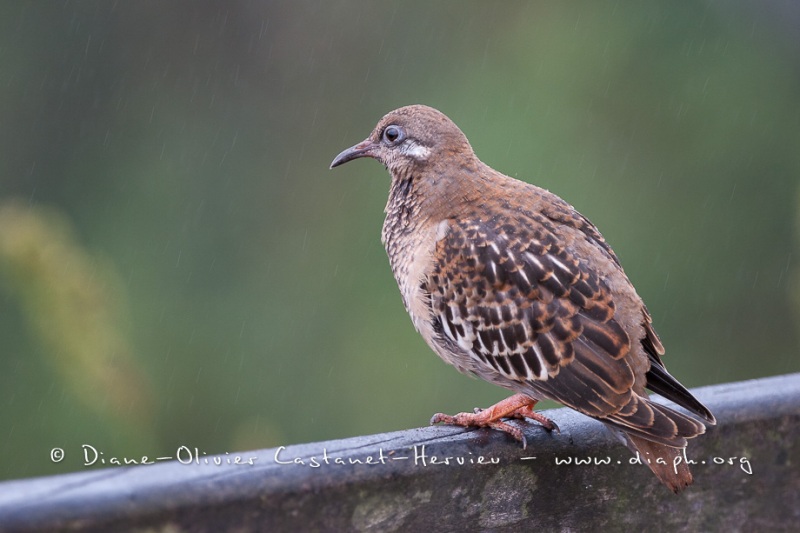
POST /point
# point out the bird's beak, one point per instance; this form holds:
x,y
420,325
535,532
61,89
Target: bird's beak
x,y
362,149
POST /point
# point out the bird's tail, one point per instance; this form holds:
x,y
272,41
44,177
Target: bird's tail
x,y
667,463
659,435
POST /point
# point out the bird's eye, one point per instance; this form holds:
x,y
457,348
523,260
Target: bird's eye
x,y
393,134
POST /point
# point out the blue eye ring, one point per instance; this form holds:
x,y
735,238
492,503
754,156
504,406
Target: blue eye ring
x,y
393,134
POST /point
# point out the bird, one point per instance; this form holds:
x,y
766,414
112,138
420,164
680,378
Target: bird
x,y
507,282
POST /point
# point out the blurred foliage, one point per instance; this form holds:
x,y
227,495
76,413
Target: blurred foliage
x,y
220,288
68,300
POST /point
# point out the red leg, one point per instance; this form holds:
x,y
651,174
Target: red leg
x,y
527,411
518,406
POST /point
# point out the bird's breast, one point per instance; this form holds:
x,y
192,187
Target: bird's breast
x,y
410,248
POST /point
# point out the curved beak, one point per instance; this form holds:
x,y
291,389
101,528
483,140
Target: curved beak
x,y
362,149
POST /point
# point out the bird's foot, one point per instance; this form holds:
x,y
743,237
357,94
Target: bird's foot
x,y
519,406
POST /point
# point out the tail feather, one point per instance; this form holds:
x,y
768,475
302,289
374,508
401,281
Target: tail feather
x,y
659,435
665,462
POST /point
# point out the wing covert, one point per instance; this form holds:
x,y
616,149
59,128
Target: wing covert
x,y
519,303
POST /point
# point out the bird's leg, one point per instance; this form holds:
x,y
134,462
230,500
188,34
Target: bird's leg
x,y
517,406
526,411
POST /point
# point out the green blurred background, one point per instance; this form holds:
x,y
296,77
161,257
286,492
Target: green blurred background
x,y
178,266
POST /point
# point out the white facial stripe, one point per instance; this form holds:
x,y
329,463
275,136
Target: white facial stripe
x,y
415,150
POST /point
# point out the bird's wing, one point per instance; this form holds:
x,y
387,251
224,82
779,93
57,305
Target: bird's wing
x,y
657,378
519,303
662,382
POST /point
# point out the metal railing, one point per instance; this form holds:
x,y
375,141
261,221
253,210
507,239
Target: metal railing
x,y
747,477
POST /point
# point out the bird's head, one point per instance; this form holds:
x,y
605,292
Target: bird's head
x,y
412,137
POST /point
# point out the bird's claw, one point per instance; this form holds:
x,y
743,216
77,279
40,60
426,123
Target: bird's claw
x,y
517,407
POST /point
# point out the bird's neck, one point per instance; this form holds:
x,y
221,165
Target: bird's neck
x,y
421,198
404,207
